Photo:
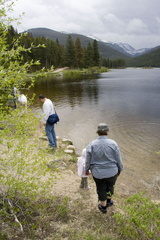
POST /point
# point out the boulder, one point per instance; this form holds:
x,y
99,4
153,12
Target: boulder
x,y
67,141
70,151
71,147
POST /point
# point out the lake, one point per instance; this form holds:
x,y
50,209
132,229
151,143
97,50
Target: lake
x,y
128,100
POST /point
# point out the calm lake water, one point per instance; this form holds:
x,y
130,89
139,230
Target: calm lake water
x,y
128,101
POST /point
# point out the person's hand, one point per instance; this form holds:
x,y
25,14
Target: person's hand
x,y
44,124
87,172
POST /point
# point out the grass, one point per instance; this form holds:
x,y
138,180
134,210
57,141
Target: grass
x,y
60,218
78,74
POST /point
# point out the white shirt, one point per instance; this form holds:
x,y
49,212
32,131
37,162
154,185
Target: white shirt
x,y
22,99
48,109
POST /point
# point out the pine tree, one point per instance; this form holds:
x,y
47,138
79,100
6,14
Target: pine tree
x,y
96,57
59,54
79,53
88,56
70,58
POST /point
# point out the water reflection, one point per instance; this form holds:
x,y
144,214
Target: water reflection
x,y
71,92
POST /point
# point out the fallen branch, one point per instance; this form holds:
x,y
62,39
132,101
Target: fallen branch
x,y
15,217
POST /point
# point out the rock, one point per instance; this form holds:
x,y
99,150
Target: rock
x,y
71,147
58,138
67,141
68,151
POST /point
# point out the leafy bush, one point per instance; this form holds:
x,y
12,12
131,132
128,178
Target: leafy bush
x,y
140,220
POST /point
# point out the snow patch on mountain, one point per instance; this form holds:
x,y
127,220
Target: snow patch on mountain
x,y
132,51
122,47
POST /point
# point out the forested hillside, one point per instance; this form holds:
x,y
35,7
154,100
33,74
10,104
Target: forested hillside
x,y
52,53
104,50
151,59
56,49
111,57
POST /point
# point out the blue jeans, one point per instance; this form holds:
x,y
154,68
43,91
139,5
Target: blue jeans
x,y
51,135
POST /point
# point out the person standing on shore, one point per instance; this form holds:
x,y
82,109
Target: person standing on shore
x,y
104,160
48,109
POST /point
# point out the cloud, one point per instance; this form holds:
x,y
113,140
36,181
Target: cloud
x,y
136,26
135,22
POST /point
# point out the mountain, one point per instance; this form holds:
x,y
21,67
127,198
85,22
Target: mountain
x,y
127,49
105,50
150,59
145,57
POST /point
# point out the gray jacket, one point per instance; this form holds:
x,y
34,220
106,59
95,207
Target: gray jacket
x,y
103,158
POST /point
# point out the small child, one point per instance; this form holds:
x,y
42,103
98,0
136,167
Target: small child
x,y
22,100
81,172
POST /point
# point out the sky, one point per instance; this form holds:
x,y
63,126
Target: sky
x,y
136,22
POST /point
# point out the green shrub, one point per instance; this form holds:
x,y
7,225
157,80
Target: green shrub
x,y
140,220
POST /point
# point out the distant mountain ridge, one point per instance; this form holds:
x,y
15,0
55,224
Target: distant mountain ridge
x,y
149,59
124,48
130,50
106,49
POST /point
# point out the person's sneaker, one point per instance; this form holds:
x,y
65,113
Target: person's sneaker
x,y
52,148
103,210
109,204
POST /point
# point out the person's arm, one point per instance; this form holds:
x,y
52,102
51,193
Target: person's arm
x,y
88,160
46,111
119,160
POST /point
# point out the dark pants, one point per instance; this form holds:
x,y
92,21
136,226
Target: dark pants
x,y
105,187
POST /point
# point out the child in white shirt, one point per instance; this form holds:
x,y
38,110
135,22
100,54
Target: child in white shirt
x,y
81,173
22,100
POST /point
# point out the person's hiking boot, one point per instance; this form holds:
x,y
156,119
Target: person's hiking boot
x,y
109,203
82,183
102,209
86,183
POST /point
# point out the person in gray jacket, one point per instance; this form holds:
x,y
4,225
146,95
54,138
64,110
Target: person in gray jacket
x,y
104,160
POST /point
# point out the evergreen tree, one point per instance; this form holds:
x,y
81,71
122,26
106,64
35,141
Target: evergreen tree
x,y
59,54
79,53
11,36
88,56
114,63
70,58
96,57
